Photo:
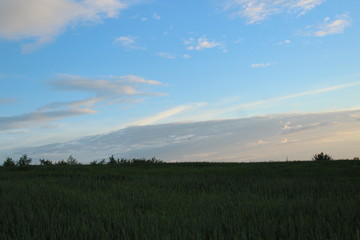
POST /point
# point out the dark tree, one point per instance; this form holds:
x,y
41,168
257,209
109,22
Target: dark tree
x,y
9,162
24,161
45,162
72,161
112,161
322,157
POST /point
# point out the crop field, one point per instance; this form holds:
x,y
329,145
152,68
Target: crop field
x,y
288,200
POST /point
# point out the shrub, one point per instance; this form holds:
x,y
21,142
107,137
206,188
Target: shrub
x,y
322,157
9,162
112,161
93,163
45,162
356,158
61,162
72,161
23,161
96,163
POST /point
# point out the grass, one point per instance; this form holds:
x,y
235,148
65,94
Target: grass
x,y
289,200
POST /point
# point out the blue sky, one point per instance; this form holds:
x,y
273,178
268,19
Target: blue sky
x,y
74,68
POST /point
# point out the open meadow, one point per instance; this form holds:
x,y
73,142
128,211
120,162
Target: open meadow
x,y
287,200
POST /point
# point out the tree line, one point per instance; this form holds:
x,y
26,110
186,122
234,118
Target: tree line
x,y
26,161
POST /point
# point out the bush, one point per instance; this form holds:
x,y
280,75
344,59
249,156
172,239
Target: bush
x,y
112,161
96,163
322,157
72,161
356,158
61,162
9,162
24,161
45,162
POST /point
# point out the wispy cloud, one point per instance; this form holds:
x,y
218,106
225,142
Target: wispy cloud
x,y
39,118
128,42
296,95
231,109
85,104
137,79
290,128
258,10
121,87
262,65
329,26
41,21
162,115
285,42
114,90
166,55
201,44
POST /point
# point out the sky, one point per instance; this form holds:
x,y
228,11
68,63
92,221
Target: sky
x,y
232,80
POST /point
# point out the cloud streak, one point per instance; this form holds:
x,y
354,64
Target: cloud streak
x,y
123,86
218,111
258,10
162,115
41,21
39,118
296,95
115,90
262,65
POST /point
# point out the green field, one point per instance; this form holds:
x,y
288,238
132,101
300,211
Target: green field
x,y
289,200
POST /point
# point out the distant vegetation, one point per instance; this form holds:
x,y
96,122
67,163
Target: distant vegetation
x,y
146,199
322,157
25,161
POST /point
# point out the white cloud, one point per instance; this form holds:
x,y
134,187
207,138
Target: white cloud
x,y
128,42
305,5
201,43
262,65
329,27
41,21
259,10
